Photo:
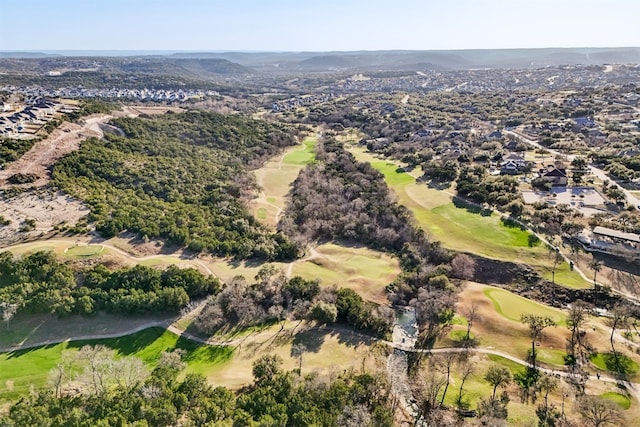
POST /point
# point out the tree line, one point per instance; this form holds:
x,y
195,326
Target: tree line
x,y
274,298
343,199
40,283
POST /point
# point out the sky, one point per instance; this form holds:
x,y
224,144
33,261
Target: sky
x,y
316,25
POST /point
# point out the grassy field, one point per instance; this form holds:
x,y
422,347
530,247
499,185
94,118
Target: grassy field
x,y
364,270
84,251
513,306
302,157
566,277
39,328
222,365
346,350
498,325
23,369
276,176
619,399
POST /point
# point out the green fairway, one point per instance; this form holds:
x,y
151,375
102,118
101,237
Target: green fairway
x,y
512,366
619,399
619,364
302,157
25,368
84,251
513,306
393,174
261,213
566,277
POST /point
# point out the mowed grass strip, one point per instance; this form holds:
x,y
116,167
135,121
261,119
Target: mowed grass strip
x,y
566,277
302,156
84,251
513,306
619,399
23,369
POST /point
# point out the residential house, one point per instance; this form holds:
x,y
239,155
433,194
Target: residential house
x,y
513,164
555,175
495,135
512,145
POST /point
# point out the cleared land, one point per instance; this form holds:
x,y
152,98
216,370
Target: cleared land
x,y
48,208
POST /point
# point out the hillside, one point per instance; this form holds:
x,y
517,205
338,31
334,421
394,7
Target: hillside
x,y
179,177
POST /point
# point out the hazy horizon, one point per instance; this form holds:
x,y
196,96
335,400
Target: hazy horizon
x,y
329,26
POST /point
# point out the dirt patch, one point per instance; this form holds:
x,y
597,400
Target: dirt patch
x,y
501,272
65,139
46,208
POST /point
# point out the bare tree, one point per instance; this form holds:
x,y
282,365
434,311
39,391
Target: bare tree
x,y
128,372
8,311
576,319
547,414
463,267
298,350
471,314
62,372
427,389
619,318
467,369
444,364
97,364
598,412
536,325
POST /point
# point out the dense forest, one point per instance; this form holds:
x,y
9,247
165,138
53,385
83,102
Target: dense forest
x,y
182,178
40,283
166,398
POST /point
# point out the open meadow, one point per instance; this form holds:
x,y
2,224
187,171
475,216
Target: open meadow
x,y
364,270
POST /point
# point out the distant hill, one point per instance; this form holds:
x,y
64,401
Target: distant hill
x,y
421,60
25,55
211,64
41,64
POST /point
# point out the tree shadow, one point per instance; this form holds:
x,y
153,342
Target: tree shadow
x,y
434,184
619,364
312,339
471,207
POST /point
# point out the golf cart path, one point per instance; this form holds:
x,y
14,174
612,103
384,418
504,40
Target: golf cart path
x,y
634,388
120,252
